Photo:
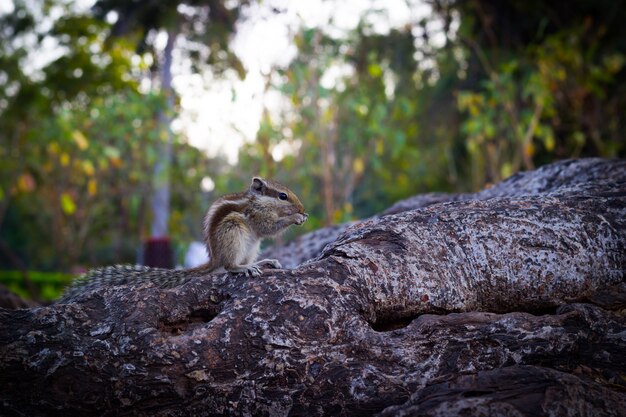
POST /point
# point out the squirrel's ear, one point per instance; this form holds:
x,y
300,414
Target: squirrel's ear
x,y
258,185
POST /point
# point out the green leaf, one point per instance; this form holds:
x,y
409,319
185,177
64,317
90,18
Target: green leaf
x,y
375,70
67,204
111,152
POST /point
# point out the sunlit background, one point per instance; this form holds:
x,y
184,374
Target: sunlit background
x,y
120,121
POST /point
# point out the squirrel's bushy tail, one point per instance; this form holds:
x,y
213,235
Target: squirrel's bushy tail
x,y
132,274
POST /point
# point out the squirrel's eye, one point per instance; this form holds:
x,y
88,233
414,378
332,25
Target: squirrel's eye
x,y
282,196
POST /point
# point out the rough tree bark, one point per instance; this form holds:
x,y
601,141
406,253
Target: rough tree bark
x,y
506,302
591,175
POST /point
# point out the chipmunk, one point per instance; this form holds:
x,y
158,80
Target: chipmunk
x,y
233,229
236,223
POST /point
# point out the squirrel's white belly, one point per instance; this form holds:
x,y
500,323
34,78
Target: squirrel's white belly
x,y
250,251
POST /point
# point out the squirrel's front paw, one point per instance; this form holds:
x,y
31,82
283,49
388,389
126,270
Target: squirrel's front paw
x,y
301,218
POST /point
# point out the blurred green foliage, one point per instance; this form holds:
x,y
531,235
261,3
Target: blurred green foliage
x,y
454,101
507,86
78,145
47,286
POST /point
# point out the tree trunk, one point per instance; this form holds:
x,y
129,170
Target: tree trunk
x,y
509,302
591,175
161,194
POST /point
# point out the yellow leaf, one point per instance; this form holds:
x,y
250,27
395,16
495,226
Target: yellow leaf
x,y
65,159
92,187
54,148
67,204
80,140
88,168
506,170
358,166
380,147
402,181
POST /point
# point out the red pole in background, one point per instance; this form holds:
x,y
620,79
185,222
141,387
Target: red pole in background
x,y
158,253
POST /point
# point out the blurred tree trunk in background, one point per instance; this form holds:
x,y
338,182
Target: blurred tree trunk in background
x,y
158,251
161,193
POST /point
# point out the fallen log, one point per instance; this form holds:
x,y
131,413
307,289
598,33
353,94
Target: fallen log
x,y
448,306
